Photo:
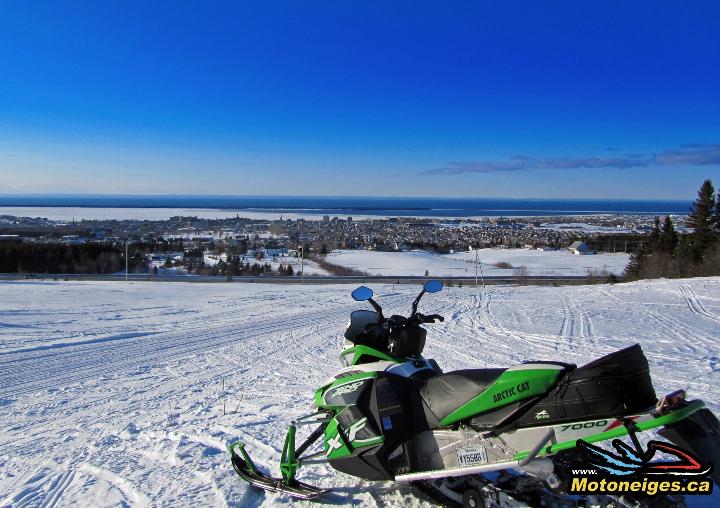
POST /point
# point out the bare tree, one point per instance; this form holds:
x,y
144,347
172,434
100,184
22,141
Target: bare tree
x,y
520,273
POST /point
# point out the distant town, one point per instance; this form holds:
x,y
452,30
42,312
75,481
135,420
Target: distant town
x,y
243,246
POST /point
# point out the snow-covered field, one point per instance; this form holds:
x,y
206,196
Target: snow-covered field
x,y
307,266
462,264
116,394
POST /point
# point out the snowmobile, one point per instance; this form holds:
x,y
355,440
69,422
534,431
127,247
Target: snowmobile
x,y
391,414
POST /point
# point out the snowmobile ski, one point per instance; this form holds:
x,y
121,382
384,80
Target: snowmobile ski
x,y
247,470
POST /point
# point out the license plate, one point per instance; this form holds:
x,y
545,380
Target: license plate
x,y
473,456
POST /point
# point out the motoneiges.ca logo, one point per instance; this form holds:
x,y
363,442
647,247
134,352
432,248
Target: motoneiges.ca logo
x,y
630,470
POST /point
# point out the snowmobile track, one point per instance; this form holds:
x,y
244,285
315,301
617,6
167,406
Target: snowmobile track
x,y
695,305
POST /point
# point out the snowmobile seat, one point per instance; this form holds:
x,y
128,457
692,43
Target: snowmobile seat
x,y
444,393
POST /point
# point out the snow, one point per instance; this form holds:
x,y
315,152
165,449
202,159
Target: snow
x,y
308,267
117,393
463,263
583,227
89,213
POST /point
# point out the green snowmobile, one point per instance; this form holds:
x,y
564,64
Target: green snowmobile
x,y
391,414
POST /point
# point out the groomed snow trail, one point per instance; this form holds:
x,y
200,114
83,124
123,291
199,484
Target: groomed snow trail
x,y
127,394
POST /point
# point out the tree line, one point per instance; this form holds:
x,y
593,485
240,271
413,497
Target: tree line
x,y
108,258
18,257
670,254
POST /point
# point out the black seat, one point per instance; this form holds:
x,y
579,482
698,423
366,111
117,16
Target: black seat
x,y
444,393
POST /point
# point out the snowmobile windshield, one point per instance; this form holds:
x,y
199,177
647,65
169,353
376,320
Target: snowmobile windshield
x,y
359,319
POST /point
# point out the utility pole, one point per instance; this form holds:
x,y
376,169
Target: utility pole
x,y
478,265
126,260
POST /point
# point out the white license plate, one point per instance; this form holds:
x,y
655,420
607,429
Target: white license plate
x,y
472,456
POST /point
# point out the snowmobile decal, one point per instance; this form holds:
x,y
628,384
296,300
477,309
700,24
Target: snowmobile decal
x,y
344,389
345,394
342,392
542,415
511,386
585,425
631,462
356,436
355,428
333,444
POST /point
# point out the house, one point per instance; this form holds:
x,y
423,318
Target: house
x,y
580,248
193,257
276,251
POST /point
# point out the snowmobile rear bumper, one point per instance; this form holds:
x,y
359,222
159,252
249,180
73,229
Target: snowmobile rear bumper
x,y
700,433
246,469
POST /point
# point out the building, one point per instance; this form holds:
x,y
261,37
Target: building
x,y
580,248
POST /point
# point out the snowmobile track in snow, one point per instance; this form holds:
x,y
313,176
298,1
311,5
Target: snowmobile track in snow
x,y
695,305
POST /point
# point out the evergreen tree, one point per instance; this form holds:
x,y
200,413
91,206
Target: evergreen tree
x,y
634,269
702,220
669,237
655,235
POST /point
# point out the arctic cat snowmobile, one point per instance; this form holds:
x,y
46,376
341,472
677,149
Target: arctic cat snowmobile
x,y
391,414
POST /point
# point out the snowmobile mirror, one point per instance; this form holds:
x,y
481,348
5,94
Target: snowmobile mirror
x,y
362,294
433,286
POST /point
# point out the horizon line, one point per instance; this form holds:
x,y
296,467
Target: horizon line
x,y
312,196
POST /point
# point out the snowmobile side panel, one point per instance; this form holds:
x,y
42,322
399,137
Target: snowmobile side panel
x,y
362,354
700,434
510,387
445,452
368,463
349,430
615,430
482,468
344,391
335,444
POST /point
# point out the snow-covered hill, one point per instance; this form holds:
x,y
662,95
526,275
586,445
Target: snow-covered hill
x,y
128,393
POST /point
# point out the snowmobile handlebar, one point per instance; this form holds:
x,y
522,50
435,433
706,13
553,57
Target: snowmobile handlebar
x,y
380,331
429,319
415,319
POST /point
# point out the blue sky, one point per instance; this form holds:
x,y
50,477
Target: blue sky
x,y
474,99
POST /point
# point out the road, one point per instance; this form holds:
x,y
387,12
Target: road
x,y
312,279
